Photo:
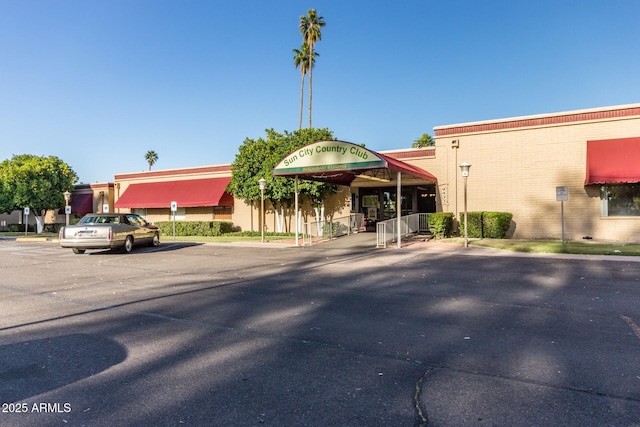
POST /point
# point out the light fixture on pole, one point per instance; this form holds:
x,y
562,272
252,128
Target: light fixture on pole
x,y
262,183
464,168
67,208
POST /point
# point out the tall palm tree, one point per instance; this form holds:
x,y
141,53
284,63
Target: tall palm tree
x,y
424,141
310,28
301,59
152,158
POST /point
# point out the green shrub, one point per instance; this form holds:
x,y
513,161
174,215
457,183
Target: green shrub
x,y
496,224
440,224
474,222
17,228
52,228
194,228
490,225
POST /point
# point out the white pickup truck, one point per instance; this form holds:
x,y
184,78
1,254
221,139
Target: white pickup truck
x,y
109,231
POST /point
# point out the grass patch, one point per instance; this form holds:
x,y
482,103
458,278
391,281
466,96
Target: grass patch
x,y
231,238
29,234
555,246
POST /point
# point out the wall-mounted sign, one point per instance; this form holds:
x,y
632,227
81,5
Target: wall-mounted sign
x,y
562,193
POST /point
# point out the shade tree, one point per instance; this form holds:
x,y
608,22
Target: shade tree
x,y
36,182
257,158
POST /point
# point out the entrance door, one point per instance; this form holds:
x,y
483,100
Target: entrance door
x,y
370,203
426,198
389,206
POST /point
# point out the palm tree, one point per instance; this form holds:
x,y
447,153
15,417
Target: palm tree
x,y
301,59
310,28
152,158
424,141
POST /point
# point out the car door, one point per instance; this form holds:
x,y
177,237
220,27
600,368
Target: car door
x,y
142,232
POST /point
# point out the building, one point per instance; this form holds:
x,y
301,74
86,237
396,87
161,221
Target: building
x,y
517,166
85,198
198,193
518,163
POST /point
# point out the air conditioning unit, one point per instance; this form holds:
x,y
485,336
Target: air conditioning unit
x,y
455,143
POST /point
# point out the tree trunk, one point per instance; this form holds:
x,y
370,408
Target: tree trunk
x,y
279,211
40,221
318,225
301,101
310,80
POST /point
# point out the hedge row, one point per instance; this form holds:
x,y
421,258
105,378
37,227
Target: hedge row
x,y
490,225
19,228
194,228
440,224
48,228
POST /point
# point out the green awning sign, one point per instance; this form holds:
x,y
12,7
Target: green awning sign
x,y
322,156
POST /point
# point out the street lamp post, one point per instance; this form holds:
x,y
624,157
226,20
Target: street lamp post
x,y
67,197
464,168
262,183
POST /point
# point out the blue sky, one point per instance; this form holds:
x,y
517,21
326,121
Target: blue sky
x,y
99,83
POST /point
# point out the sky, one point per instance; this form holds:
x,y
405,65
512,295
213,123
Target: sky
x,y
99,83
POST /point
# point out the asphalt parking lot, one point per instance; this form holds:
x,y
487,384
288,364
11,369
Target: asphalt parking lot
x,y
232,335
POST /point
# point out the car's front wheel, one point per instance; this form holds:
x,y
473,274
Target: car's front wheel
x,y
155,241
128,245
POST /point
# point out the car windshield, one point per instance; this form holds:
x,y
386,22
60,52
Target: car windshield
x,y
100,219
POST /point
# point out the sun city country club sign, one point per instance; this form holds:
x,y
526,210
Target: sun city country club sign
x,y
328,156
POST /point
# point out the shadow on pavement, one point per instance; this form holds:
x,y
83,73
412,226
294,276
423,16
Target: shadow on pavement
x,y
30,368
164,247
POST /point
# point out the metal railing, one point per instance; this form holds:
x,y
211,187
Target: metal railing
x,y
387,231
331,228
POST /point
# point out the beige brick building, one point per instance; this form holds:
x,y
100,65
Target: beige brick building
x,y
198,191
517,165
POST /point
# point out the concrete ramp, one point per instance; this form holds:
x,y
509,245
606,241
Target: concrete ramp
x,y
352,241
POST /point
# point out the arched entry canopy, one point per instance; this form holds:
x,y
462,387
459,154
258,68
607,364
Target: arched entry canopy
x,y
340,162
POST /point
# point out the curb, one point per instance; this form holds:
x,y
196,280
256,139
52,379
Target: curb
x,y
35,239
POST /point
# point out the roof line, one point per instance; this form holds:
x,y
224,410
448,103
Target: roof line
x,y
604,113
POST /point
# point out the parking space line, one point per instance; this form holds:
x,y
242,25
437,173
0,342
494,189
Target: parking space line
x,y
635,328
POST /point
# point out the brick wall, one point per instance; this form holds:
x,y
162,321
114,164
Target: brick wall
x,y
516,169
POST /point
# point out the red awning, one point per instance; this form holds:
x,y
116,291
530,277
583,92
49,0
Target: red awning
x,y
187,193
81,204
400,166
613,161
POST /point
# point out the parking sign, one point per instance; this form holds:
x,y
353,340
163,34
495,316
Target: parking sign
x,y
562,193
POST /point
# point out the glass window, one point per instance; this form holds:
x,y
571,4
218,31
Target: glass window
x,y
620,199
407,200
180,214
141,212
